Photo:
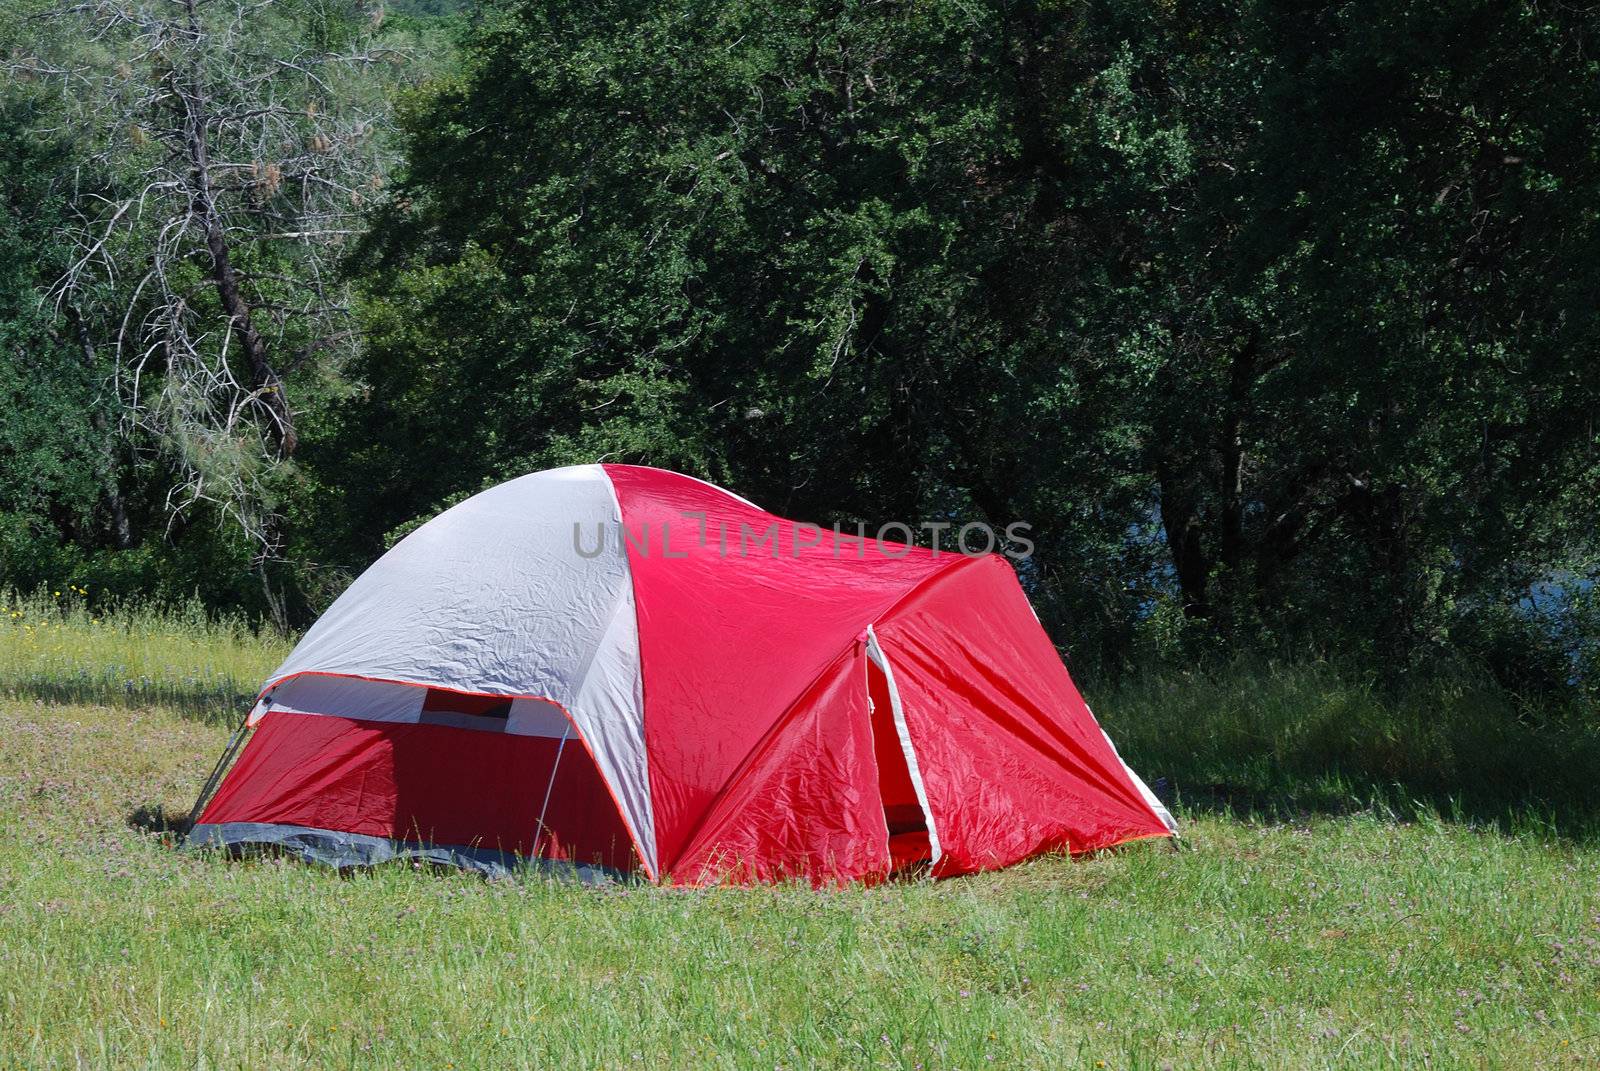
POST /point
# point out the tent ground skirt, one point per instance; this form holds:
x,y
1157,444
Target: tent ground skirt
x,y
350,851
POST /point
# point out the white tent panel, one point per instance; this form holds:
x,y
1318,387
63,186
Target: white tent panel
x,y
345,697
498,596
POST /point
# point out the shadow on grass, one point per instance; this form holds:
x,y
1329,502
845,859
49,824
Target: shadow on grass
x,y
1282,743
156,822
214,702
1574,821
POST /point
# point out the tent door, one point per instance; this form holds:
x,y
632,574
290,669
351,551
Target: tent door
x,y
912,841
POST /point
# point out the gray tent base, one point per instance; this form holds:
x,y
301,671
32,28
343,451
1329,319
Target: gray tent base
x,y
349,851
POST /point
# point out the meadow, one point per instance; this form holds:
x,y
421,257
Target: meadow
x,y
1369,878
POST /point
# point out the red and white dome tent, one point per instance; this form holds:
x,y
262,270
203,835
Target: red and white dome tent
x,y
632,671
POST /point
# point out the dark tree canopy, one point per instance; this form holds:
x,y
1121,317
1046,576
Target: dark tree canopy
x,y
1289,312
1277,324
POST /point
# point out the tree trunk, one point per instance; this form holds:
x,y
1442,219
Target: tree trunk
x,y
277,600
263,378
105,455
1180,521
1241,376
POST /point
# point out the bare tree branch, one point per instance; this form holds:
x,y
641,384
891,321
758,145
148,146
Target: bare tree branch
x,y
227,163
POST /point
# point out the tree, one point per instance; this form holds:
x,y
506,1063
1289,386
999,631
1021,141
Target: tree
x,y
1368,316
57,476
1286,316
227,151
818,253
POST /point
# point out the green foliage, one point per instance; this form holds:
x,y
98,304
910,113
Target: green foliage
x,y
1277,327
130,460
434,9
166,567
1378,316
49,481
1283,317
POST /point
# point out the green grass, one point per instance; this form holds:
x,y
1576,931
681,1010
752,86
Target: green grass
x,y
1314,932
52,647
1286,739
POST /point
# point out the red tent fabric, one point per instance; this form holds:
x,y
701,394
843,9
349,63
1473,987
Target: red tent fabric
x,y
627,669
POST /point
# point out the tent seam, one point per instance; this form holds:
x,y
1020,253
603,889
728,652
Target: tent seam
x,y
961,561
652,866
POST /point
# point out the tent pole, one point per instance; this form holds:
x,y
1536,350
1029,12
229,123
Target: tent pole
x,y
216,776
545,807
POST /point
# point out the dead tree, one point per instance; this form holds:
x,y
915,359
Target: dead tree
x,y
230,147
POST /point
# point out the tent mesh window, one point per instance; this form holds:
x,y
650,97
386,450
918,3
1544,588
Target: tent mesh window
x,y
460,710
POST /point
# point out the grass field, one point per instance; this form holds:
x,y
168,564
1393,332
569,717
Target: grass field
x,y
1324,915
